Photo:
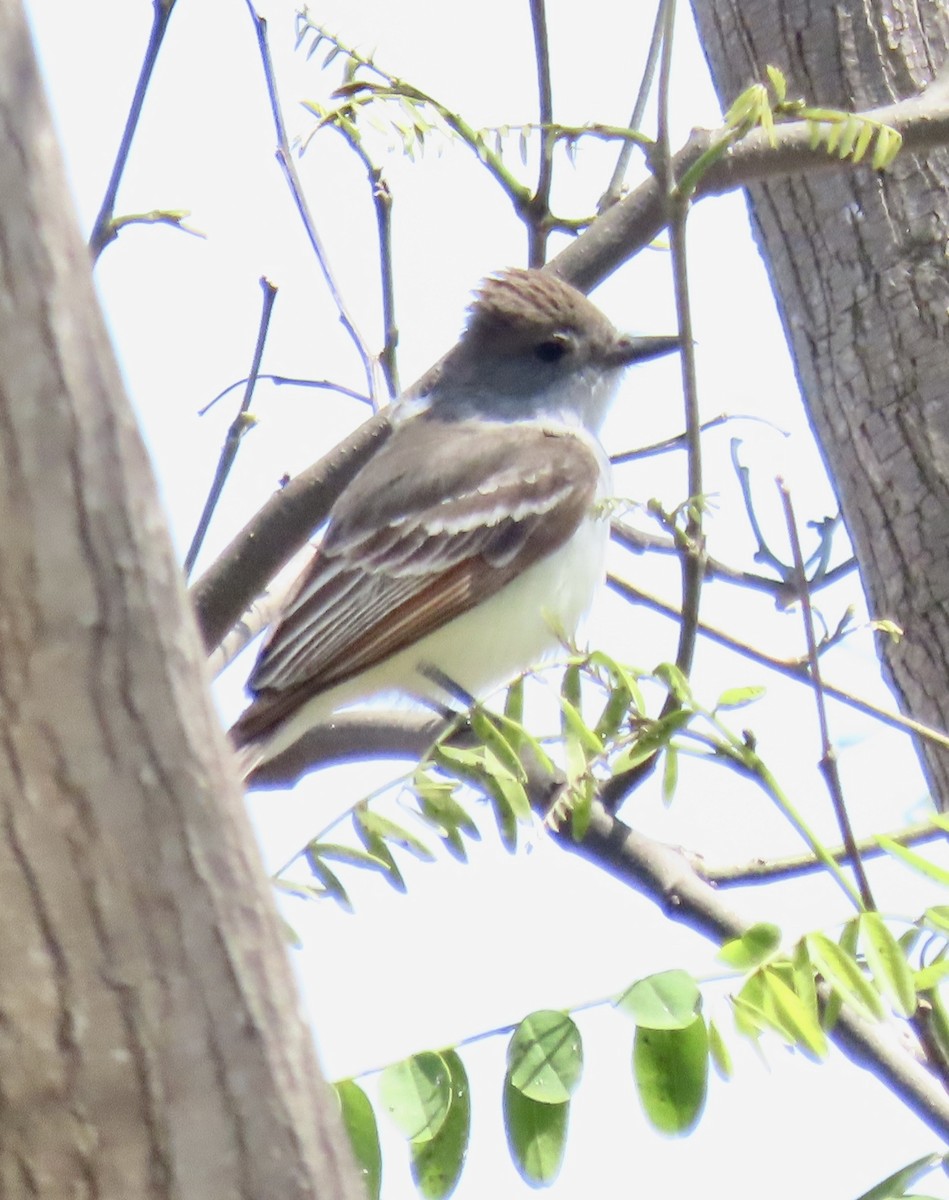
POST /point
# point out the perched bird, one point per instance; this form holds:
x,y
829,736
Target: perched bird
x,y
474,540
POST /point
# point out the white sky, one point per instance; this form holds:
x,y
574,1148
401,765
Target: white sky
x,y
475,947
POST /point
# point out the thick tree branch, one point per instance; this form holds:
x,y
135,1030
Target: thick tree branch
x,y
153,1045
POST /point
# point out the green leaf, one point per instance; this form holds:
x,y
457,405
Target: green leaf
x,y
377,828
570,685
505,819
346,854
643,748
848,138
778,83
439,808
438,1162
746,109
614,713
514,701
580,800
389,868
676,681
931,976
417,1094
520,739
914,860
360,1123
863,141
621,678
895,1185
833,131
575,758
888,144
670,774
491,736
804,983
575,726
937,917
749,1007
438,804
738,697
545,1057
508,791
754,947
791,1017
671,1071
718,1051
887,963
844,975
536,1135
482,768
460,761
654,736
667,1000
332,887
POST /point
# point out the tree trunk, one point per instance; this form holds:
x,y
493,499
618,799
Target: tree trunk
x,y
858,263
150,1044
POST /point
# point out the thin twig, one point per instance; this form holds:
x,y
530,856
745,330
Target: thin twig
x,y
288,167
292,381
235,434
692,561
538,210
104,229
767,869
678,441
382,204
828,760
693,568
783,591
794,669
615,189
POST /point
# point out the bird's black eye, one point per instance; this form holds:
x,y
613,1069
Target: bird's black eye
x,y
552,349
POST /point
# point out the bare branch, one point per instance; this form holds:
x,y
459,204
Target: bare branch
x,y
287,165
235,434
104,229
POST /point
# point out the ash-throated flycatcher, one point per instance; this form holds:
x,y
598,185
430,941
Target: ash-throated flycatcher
x,y
474,540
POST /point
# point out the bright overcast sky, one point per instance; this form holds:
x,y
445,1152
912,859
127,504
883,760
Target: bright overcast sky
x,y
471,948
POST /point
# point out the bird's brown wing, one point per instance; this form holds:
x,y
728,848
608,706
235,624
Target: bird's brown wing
x,y
437,522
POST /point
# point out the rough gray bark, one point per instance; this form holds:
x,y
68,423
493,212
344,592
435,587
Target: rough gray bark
x,y
858,263
150,1044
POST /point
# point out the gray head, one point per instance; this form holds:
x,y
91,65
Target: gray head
x,y
534,344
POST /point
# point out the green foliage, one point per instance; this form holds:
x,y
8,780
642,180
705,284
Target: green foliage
x,y
669,1000
794,996
846,135
427,1096
753,948
371,98
416,1093
545,1057
895,1185
671,1071
536,1134
360,1123
437,1162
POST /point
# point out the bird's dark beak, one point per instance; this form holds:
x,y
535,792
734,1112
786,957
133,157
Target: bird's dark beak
x,y
631,349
